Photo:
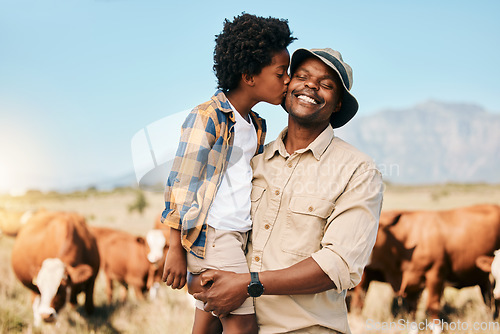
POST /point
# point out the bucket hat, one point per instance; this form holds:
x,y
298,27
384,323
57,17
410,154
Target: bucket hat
x,y
334,60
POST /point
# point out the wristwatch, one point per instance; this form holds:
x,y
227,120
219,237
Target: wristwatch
x,y
255,288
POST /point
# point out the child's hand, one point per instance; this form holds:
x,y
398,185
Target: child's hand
x,y
175,269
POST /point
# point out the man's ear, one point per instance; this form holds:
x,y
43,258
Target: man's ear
x,y
248,79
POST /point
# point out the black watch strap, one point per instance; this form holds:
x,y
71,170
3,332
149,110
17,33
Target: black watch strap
x,y
255,288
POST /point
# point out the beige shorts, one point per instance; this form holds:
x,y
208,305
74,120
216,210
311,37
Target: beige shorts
x,y
225,251
315,330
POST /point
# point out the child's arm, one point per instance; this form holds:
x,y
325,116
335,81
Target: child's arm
x,y
198,136
175,269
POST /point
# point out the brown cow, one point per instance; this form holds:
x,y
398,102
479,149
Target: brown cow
x,y
54,253
425,249
124,258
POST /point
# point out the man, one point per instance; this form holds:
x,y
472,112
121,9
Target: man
x,y
316,202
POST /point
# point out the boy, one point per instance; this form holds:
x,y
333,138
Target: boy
x,y
207,198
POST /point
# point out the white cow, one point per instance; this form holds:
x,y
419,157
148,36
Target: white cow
x,y
158,248
50,278
156,242
52,282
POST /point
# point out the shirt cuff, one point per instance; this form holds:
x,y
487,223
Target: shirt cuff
x,y
173,220
333,265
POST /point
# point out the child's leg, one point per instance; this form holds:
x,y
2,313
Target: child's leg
x,y
225,251
206,323
240,324
231,257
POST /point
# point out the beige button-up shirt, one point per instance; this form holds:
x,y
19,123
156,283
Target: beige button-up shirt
x,y
323,201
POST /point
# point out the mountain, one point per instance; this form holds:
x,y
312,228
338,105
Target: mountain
x,y
432,142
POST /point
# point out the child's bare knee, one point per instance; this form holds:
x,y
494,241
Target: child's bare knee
x,y
240,324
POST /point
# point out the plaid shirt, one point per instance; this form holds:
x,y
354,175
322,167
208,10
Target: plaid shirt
x,y
205,146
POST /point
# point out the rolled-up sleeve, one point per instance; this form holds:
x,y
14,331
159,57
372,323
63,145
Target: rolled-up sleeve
x,y
198,135
351,229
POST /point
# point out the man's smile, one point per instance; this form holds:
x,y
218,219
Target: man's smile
x,y
307,97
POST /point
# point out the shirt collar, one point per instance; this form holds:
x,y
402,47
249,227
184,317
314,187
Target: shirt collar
x,y
222,103
317,147
277,146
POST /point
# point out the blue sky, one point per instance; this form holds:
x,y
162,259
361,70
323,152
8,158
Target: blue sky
x,y
79,78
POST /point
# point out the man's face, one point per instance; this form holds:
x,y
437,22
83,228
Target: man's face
x,y
314,93
271,83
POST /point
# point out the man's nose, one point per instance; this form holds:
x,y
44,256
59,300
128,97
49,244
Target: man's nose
x,y
312,84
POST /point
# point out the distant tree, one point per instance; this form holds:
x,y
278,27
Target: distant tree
x,y
92,189
139,204
33,193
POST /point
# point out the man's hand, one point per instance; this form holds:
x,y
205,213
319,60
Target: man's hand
x,y
227,292
194,284
175,269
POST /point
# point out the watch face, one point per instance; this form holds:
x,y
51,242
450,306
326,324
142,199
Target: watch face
x,y
255,289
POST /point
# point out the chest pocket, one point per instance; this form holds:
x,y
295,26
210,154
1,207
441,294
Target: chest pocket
x,y
305,225
255,197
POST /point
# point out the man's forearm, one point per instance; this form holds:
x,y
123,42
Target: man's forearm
x,y
229,290
305,277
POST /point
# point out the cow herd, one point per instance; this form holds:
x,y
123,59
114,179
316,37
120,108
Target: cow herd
x,y
58,256
417,250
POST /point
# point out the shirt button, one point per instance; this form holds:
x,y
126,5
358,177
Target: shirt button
x,y
289,165
257,258
310,209
267,226
277,192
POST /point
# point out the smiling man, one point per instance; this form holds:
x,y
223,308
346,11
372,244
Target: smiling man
x,y
316,203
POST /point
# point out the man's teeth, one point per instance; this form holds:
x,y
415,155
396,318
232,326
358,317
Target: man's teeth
x,y
306,99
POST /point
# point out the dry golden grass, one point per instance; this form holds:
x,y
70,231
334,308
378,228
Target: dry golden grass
x,y
439,197
172,312
465,305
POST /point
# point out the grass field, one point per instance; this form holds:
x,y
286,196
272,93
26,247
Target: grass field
x,y
172,311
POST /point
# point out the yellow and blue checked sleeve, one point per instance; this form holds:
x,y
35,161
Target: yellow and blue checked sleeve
x,y
198,136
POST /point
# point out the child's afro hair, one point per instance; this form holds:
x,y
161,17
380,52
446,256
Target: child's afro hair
x,y
246,45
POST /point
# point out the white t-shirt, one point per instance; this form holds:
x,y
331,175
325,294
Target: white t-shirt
x,y
230,209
